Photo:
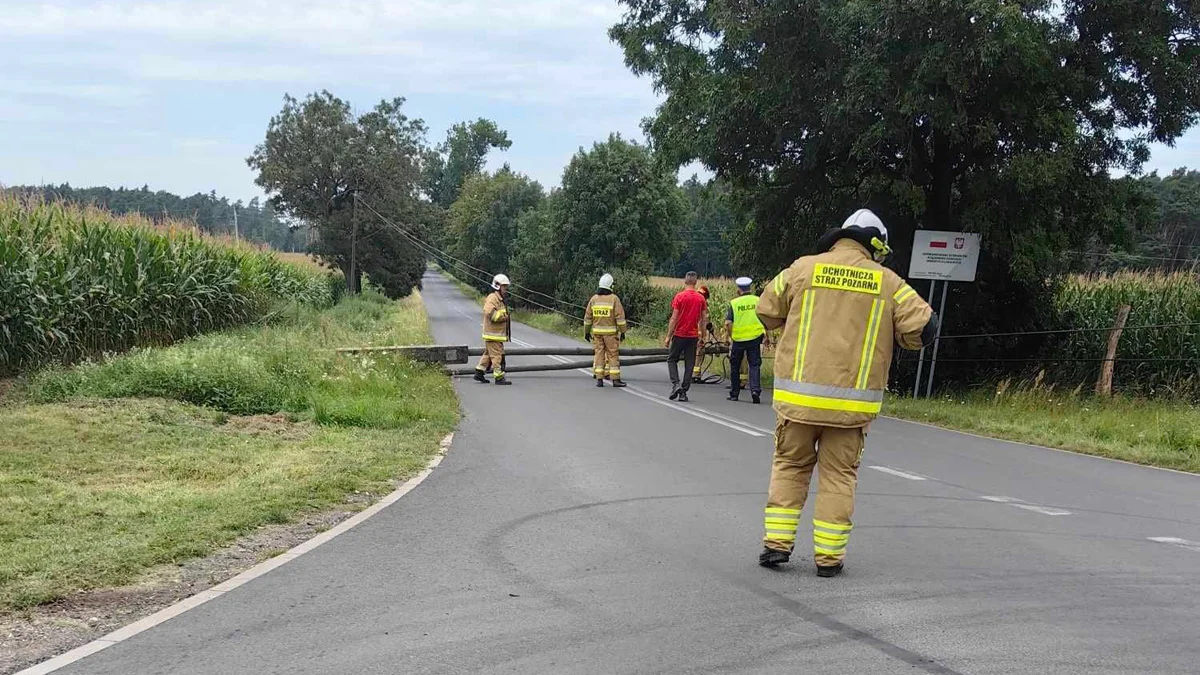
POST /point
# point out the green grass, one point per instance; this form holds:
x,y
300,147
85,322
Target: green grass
x,y
1154,432
165,454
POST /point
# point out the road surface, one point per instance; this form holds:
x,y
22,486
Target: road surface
x,y
579,530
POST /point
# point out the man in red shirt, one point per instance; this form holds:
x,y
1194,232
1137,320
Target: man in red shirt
x,y
689,310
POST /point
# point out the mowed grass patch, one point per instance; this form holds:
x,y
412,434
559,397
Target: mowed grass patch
x,y
164,454
1153,432
94,493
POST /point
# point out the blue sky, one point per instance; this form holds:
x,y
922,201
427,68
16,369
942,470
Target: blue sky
x,y
175,94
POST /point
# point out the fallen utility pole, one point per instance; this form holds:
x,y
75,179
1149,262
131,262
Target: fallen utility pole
x,y
568,365
461,354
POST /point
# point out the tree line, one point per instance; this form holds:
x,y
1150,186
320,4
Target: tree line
x,y
383,201
257,221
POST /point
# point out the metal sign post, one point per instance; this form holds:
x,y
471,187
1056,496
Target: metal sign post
x,y
945,257
921,359
937,340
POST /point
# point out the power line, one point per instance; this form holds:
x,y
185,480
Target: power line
x,y
485,278
443,254
1057,360
1118,254
1067,330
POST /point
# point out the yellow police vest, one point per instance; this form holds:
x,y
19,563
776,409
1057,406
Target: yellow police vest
x,y
746,325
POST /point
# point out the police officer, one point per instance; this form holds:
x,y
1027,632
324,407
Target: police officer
x,y
746,338
497,330
841,312
604,324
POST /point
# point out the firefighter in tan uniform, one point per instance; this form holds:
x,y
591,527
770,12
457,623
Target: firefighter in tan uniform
x,y
841,313
604,324
497,330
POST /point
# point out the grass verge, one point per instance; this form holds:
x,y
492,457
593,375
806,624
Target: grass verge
x,y
110,469
1153,432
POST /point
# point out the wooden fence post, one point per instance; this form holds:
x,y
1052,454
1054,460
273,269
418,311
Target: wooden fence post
x,y
1105,382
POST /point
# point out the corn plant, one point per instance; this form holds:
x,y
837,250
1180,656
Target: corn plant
x,y
1149,361
78,281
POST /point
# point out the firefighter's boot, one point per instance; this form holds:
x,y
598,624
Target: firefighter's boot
x,y
619,383
772,558
502,380
600,382
830,571
480,377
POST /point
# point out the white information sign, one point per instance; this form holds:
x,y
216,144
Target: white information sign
x,y
945,256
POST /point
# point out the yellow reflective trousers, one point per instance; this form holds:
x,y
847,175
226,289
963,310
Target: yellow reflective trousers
x,y
835,453
607,362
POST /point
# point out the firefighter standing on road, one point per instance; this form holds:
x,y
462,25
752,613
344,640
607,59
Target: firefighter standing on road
x,y
604,324
497,330
841,311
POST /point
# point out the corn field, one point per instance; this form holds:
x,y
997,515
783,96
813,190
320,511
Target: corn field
x,y
77,282
1160,361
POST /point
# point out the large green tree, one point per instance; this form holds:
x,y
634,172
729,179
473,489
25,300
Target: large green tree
x,y
996,116
345,174
482,223
1175,242
705,235
460,156
618,207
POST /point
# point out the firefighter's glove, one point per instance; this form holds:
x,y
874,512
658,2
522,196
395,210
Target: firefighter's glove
x,y
587,334
929,333
622,338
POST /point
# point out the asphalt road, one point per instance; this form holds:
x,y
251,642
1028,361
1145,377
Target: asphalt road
x,y
579,530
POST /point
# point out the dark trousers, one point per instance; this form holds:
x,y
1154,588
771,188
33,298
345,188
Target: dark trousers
x,y
752,350
686,348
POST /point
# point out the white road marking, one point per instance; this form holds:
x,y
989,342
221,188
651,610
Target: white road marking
x,y
168,613
897,472
1176,541
1044,510
728,422
694,413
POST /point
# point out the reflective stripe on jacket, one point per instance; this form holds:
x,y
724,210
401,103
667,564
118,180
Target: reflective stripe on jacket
x,y
495,319
605,315
842,313
746,325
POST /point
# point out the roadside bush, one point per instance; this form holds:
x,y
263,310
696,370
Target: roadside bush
x,y
289,366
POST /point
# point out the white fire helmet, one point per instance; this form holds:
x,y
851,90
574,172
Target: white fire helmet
x,y
500,280
606,281
865,218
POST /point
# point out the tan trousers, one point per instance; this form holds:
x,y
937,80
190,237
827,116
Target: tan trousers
x,y
607,361
492,358
836,454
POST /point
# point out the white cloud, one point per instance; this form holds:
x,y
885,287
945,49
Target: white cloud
x,y
538,51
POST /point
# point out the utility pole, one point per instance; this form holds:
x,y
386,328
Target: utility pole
x,y
354,245
235,224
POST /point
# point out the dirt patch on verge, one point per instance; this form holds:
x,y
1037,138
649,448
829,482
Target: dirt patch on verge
x,y
39,633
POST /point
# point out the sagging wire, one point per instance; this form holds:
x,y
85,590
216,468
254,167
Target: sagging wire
x,y
486,278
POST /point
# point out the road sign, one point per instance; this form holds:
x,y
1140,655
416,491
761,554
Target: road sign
x,y
944,256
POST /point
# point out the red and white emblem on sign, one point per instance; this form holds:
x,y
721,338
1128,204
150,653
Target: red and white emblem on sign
x,y
960,242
